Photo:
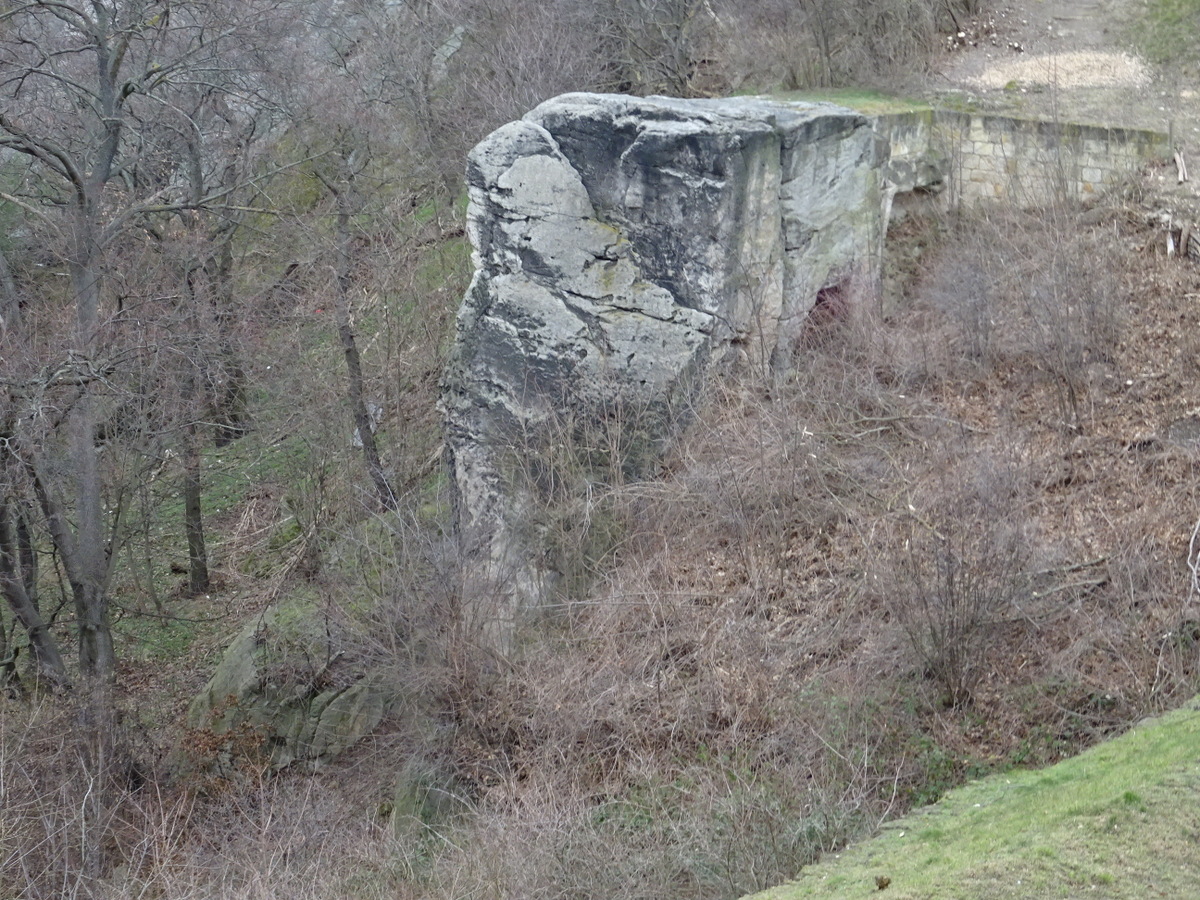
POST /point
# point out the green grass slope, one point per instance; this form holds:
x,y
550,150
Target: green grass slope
x,y
1119,821
864,100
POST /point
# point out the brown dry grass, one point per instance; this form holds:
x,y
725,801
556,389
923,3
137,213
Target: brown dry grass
x,y
761,668
784,603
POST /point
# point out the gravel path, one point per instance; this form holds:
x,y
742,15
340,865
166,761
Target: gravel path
x,y
1069,59
1069,70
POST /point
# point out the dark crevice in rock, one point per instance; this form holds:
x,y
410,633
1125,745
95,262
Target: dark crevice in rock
x,y
591,324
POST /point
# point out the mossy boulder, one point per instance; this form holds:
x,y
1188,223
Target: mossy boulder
x,y
287,679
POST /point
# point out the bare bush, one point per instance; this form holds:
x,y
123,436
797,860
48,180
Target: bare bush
x,y
684,752
956,570
714,830
674,762
1022,290
825,43
69,785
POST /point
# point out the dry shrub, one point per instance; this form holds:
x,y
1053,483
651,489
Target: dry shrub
x,y
80,823
717,829
667,736
826,43
957,566
74,799
673,761
1022,290
294,836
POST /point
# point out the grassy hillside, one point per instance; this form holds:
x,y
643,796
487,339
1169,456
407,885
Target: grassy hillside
x,y
1118,821
953,542
869,102
1166,33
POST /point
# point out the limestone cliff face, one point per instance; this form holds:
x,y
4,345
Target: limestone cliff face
x,y
625,249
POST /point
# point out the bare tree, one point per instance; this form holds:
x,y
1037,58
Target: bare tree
x,y
340,179
658,46
118,107
356,67
18,583
10,298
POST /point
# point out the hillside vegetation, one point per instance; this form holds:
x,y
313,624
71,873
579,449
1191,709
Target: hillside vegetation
x,y
1116,821
955,541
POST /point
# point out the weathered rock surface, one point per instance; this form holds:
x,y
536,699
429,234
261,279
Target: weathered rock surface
x,y
625,249
279,680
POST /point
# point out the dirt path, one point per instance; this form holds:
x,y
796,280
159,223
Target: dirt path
x,y
1068,59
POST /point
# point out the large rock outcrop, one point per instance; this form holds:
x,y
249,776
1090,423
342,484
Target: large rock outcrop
x,y
625,249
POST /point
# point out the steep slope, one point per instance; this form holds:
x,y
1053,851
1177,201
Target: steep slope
x,y
1118,821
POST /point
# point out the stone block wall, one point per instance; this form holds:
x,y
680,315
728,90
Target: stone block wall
x,y
982,157
1028,161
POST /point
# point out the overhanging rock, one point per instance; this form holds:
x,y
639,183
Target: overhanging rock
x,y
624,249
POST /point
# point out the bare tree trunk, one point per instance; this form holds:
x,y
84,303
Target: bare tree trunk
x,y
355,388
198,394
193,518
87,564
229,401
10,299
15,583
27,555
9,678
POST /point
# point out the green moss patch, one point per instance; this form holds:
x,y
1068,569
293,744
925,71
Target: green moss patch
x,y
868,102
